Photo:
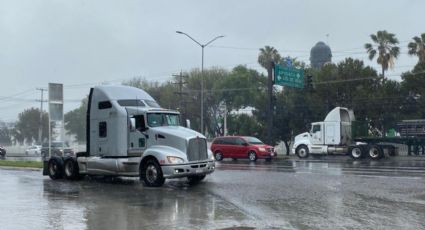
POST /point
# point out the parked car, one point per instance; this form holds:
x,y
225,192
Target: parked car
x,y
2,151
241,147
33,150
58,148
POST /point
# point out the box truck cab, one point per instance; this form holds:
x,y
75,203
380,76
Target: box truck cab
x,y
129,134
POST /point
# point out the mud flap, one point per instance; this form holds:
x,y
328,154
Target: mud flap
x,y
45,168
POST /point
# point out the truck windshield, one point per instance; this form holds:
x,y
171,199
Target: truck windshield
x,y
163,119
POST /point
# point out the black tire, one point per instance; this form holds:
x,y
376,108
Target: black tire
x,y
252,156
356,152
71,169
218,156
151,174
195,179
55,168
302,151
375,152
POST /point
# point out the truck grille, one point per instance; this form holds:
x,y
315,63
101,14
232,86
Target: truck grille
x,y
197,149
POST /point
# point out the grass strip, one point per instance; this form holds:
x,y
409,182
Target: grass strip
x,y
24,164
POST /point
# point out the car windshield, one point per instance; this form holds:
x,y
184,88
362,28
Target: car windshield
x,y
253,140
163,119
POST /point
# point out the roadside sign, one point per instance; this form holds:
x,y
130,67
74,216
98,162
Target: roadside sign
x,y
289,76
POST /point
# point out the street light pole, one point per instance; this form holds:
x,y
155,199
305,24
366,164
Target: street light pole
x,y
202,72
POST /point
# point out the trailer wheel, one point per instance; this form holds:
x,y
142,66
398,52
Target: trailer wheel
x,y
71,169
151,174
356,152
302,151
55,168
375,152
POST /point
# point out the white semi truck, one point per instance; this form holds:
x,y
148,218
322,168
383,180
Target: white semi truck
x,y
129,134
335,135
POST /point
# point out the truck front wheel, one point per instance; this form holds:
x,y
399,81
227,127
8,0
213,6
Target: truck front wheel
x,y
151,174
302,151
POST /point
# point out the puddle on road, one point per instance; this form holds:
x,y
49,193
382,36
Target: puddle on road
x,y
127,204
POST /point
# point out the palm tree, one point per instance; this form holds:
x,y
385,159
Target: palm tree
x,y
385,45
417,47
267,57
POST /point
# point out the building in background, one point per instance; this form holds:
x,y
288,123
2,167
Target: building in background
x,y
320,54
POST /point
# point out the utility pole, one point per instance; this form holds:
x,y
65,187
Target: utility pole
x,y
40,122
180,82
270,103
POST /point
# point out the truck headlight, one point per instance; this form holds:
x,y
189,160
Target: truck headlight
x,y
175,160
262,149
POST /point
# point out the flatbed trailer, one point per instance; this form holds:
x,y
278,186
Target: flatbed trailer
x,y
415,144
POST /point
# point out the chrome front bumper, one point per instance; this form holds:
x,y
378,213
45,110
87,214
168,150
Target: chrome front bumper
x,y
190,169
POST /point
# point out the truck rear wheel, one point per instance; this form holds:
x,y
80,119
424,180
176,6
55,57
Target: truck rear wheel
x,y
71,169
55,168
302,151
151,174
356,152
375,152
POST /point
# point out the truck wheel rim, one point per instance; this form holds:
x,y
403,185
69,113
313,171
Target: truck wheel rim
x,y
373,152
53,168
151,173
68,169
302,152
356,153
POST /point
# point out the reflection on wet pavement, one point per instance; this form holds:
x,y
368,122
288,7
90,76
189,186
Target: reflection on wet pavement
x,y
291,194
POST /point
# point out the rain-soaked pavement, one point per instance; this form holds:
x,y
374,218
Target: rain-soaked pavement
x,y
330,193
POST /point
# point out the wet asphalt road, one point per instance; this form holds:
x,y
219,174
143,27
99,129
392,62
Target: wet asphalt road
x,y
328,193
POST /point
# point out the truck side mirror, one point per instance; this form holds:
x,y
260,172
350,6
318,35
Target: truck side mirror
x,y
188,123
132,124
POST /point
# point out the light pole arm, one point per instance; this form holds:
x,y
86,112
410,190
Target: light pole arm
x,y
179,32
221,36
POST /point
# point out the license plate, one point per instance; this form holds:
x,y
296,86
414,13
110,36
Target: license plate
x,y
199,170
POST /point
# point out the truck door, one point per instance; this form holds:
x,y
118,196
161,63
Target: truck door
x,y
317,134
137,137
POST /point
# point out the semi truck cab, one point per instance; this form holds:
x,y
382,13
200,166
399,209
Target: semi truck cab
x,y
129,134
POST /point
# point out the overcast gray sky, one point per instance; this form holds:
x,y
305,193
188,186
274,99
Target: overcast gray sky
x,y
82,43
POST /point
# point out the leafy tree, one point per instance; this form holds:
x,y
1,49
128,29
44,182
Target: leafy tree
x,y
5,136
75,121
385,45
417,47
26,128
243,124
413,87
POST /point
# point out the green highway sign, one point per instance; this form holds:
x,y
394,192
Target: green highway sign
x,y
289,76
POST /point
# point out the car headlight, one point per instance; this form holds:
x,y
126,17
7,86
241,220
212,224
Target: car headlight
x,y
175,160
262,149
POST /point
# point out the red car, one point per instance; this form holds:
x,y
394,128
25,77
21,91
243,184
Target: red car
x,y
241,147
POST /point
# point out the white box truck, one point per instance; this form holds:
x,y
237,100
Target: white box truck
x,y
129,134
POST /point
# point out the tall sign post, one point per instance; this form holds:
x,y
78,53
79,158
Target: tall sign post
x,y
56,117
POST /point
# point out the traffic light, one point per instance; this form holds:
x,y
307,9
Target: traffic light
x,y
309,82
